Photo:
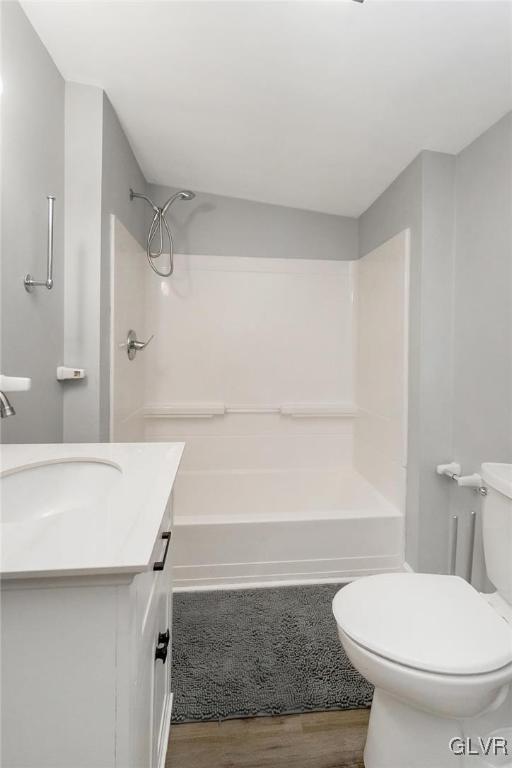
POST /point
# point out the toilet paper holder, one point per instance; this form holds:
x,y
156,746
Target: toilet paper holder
x,y
453,470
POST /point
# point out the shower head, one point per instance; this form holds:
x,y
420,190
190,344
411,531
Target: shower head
x,y
159,229
183,194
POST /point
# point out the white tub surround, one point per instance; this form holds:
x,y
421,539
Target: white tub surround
x,y
255,364
86,608
381,367
284,526
295,463
128,268
199,410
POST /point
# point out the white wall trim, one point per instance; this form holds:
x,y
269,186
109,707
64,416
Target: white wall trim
x,y
111,381
206,585
258,584
284,572
407,301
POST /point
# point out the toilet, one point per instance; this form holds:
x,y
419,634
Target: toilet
x,y
439,654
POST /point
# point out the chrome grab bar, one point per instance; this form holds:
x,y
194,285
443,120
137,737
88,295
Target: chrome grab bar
x,y
29,282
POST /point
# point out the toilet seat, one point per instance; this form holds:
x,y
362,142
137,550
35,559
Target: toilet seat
x,y
428,622
446,695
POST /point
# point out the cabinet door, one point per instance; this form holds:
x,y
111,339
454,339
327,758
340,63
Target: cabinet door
x,y
150,594
161,673
152,680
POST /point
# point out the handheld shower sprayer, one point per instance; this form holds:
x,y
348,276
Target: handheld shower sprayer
x,y
160,231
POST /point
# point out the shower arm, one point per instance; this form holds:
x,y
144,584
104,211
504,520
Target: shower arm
x,y
155,226
144,197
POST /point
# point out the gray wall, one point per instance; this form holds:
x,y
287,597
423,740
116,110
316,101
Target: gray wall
x,y
32,168
482,351
47,131
100,169
83,153
120,172
421,199
434,358
227,226
460,356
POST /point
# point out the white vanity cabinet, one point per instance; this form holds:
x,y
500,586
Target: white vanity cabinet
x,y
86,669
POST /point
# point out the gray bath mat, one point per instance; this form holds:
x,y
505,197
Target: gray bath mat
x,y
243,653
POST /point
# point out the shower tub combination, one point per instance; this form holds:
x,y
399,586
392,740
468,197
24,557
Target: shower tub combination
x,y
287,380
294,526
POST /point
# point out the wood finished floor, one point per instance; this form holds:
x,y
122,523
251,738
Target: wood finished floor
x,y
316,740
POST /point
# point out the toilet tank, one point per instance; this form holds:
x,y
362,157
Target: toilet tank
x,y
497,526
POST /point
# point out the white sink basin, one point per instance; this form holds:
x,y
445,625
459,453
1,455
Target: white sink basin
x,y
44,489
83,509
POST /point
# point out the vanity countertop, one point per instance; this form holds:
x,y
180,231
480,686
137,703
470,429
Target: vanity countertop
x,y
93,508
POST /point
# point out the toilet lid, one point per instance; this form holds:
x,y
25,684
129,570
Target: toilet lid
x,y
433,623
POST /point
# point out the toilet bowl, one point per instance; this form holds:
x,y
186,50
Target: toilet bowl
x,y
456,696
438,652
440,658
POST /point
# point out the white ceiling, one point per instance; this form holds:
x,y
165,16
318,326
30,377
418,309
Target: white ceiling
x,y
317,105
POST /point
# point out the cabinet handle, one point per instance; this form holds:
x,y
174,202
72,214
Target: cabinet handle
x,y
162,645
160,564
161,653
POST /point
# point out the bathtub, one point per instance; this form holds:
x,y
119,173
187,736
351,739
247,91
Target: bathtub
x,y
241,528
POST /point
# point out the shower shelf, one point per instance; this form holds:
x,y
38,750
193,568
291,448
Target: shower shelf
x,y
184,410
200,410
